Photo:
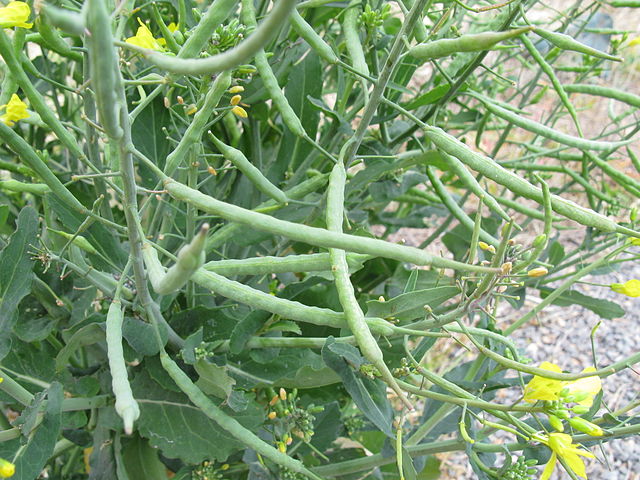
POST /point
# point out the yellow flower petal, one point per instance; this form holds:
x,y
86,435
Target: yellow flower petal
x,y
560,444
16,110
630,288
15,14
540,388
172,27
144,38
590,385
239,111
549,467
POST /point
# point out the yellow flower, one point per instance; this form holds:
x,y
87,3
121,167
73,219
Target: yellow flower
x,y
487,247
561,447
580,391
235,100
16,110
540,388
239,111
15,14
589,385
172,27
630,288
240,89
7,469
144,38
537,272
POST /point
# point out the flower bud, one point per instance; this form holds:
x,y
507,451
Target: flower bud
x,y
539,240
487,247
580,409
283,394
236,89
537,272
7,469
556,423
506,268
239,111
585,426
272,415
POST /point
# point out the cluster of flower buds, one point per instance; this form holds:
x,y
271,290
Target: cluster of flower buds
x,y
236,109
290,418
209,471
521,469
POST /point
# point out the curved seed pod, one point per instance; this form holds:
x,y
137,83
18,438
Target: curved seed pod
x,y
103,61
557,86
472,184
565,42
269,79
54,41
519,207
625,97
103,281
312,235
256,177
352,311
455,209
547,132
190,258
21,187
66,20
315,41
126,406
78,240
231,425
193,134
625,181
231,58
520,186
285,308
472,42
315,262
352,39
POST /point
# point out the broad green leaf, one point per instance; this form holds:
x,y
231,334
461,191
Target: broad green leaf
x,y
214,380
16,267
605,308
141,460
141,336
172,424
369,395
409,306
432,96
87,335
33,457
148,137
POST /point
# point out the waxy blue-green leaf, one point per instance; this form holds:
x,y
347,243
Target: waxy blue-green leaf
x,y
410,306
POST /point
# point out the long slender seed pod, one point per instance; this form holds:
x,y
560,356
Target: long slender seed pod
x,y
21,187
625,97
518,207
315,41
257,299
226,233
254,174
625,181
66,20
217,13
190,258
557,86
455,209
352,40
54,41
520,186
126,406
472,42
315,262
227,60
312,235
28,156
193,135
472,184
78,240
231,425
547,132
565,42
340,269
269,79
103,61
419,30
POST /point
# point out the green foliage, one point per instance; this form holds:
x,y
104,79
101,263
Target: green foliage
x,y
376,197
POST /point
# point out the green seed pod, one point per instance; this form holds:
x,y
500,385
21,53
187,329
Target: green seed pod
x,y
66,20
565,42
77,240
625,97
104,65
53,40
314,40
474,42
21,187
540,240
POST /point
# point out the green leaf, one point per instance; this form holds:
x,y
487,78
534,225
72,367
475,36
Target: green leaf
x,y
141,460
369,395
432,96
33,457
180,430
16,268
141,336
149,138
605,308
87,335
409,306
214,379
245,329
